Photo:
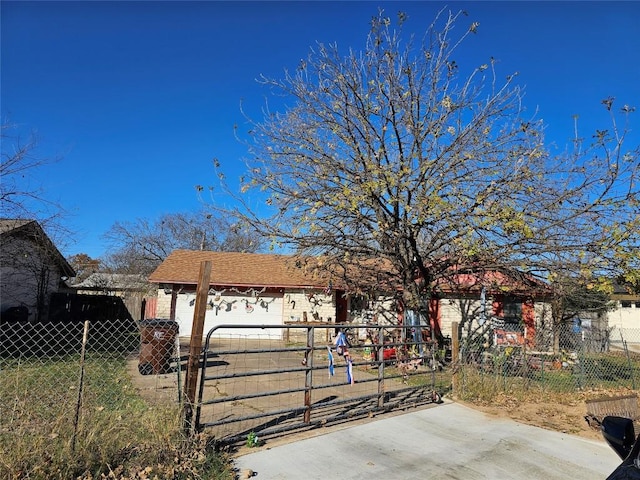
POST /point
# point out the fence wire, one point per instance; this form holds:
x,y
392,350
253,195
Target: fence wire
x,y
62,391
316,375
570,358
66,386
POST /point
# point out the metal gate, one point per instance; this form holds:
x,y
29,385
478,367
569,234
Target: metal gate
x,y
315,376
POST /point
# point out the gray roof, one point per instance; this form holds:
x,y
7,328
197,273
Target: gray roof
x,y
112,281
10,224
32,230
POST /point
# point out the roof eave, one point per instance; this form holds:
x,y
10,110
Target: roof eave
x,y
240,285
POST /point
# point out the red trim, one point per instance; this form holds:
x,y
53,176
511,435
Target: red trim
x,y
498,305
435,317
529,319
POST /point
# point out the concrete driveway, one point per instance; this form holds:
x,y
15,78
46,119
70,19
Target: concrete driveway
x,y
449,441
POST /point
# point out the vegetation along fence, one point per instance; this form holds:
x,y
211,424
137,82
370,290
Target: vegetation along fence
x,y
573,358
75,389
68,396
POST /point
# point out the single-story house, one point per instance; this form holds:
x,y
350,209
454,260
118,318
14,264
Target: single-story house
x,y
245,288
257,289
31,270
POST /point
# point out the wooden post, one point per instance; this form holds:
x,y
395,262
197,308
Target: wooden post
x,y
455,350
308,382
195,345
83,353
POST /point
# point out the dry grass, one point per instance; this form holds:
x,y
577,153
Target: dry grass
x,y
118,434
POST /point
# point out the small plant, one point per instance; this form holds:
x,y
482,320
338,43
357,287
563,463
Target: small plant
x,y
253,440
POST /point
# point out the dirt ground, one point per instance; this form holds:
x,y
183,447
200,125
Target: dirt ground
x,y
564,414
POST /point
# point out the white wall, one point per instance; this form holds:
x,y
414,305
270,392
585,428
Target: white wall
x,y
163,307
318,306
451,311
625,317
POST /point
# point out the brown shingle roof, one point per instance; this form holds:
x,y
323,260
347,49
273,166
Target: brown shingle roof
x,y
235,269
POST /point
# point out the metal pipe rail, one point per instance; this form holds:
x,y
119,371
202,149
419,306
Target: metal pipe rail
x,y
260,408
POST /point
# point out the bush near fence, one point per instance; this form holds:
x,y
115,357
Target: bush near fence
x,y
592,358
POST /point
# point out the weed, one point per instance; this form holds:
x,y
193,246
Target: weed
x,y
253,440
118,436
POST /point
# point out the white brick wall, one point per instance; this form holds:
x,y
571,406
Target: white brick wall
x,y
319,306
451,311
163,309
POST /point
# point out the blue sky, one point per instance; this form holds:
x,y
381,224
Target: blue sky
x,y
136,98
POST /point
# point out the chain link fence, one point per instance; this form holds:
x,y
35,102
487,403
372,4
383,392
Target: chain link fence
x,y
70,389
571,357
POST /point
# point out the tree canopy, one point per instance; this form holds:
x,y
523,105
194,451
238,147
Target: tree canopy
x,y
398,153
140,246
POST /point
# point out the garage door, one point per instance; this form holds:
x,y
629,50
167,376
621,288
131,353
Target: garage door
x,y
233,310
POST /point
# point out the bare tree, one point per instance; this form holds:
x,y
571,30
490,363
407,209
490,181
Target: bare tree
x,y
139,247
23,197
399,154
20,196
32,229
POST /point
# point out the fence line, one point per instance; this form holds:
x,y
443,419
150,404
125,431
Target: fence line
x,y
583,358
41,365
265,386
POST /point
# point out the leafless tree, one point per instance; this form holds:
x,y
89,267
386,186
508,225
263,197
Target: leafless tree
x,y
140,246
20,195
33,228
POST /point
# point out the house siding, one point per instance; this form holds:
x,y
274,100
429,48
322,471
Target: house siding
x,y
458,310
25,272
535,315
627,317
315,304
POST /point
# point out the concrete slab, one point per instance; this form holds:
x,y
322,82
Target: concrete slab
x,y
445,442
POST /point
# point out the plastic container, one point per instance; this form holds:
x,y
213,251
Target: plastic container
x,y
157,344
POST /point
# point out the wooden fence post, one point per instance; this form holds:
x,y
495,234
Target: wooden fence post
x,y
195,344
455,353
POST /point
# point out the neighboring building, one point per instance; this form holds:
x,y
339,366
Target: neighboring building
x,y
625,313
31,269
137,294
257,289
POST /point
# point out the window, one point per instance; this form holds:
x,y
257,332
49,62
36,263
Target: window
x,y
625,303
512,310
